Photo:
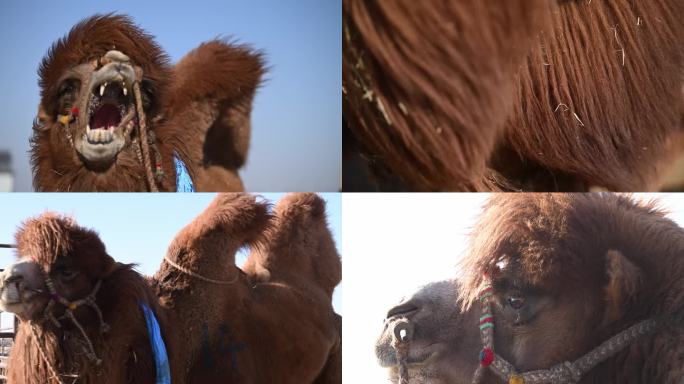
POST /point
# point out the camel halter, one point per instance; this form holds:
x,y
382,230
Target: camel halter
x,y
141,144
70,306
562,373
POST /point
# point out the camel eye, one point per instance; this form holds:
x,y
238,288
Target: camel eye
x,y
516,302
67,274
68,86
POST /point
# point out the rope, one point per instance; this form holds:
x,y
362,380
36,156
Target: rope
x,y
402,357
144,144
403,334
71,306
43,354
193,274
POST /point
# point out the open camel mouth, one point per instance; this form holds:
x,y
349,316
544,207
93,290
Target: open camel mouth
x,y
109,103
110,111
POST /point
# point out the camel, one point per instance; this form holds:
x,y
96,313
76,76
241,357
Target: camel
x,y
200,318
115,115
565,288
522,95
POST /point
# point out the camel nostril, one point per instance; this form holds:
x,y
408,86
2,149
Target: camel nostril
x,y
402,310
403,331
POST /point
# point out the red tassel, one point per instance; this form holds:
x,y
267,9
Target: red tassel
x,y
486,357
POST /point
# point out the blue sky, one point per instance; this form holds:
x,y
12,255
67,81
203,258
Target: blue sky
x,y
136,228
296,139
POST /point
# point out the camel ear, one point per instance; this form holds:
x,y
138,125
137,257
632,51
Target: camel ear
x,y
624,282
42,119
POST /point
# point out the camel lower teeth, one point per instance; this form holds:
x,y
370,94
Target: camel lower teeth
x,y
100,135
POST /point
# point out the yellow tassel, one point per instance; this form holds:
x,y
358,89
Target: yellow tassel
x,y
72,306
64,119
516,379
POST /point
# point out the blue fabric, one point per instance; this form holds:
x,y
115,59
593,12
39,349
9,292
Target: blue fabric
x,y
183,179
161,359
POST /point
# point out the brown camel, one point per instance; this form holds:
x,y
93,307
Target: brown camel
x,y
114,114
540,95
582,289
86,317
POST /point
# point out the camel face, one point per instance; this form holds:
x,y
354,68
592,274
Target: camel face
x,y
88,98
536,330
51,248
434,324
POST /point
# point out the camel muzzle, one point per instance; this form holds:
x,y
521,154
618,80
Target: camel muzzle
x,y
19,283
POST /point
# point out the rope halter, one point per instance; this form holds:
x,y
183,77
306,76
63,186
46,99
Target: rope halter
x,y
69,308
567,372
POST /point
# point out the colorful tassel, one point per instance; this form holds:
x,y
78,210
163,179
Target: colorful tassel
x,y
486,357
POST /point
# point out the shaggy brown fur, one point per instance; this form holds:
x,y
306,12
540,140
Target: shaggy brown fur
x,y
53,241
426,86
587,267
436,99
275,323
200,109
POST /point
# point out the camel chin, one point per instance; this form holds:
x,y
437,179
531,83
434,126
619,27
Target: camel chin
x,y
97,155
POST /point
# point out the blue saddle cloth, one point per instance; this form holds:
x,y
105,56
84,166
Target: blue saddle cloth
x,y
161,359
183,179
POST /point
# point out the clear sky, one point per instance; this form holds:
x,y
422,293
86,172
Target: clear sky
x,y
135,227
296,122
396,242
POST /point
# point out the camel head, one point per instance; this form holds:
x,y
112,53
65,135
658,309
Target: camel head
x,y
556,276
52,250
94,83
82,314
433,324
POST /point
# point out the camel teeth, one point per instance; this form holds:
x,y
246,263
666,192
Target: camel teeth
x,y
102,89
125,91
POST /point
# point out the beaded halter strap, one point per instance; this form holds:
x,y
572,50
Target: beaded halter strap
x,y
563,373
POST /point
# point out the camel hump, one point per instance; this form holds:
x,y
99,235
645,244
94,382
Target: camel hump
x,y
208,244
240,217
298,246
